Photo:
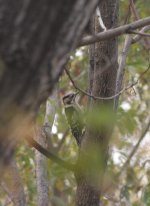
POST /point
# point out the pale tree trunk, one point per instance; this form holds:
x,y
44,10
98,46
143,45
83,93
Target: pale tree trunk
x,y
14,184
41,170
43,137
94,147
35,40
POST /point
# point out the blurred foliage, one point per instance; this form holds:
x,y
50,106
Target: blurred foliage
x,y
132,187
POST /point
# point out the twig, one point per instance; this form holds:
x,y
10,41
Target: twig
x,y
137,17
138,37
104,98
121,69
139,33
145,130
50,155
122,63
134,10
142,136
115,32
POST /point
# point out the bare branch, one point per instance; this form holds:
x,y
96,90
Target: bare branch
x,y
104,98
139,33
121,69
142,136
134,10
137,17
115,32
138,37
134,150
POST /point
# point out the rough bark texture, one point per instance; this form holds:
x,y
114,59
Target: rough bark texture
x,y
94,148
35,38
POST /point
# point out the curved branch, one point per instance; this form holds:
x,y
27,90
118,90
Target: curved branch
x,y
105,98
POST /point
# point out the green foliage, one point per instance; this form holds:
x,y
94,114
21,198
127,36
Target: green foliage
x,y
146,195
100,117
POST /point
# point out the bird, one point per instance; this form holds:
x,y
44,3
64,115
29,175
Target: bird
x,y
74,115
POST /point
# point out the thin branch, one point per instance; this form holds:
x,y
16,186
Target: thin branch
x,y
115,32
121,69
122,63
139,33
137,17
50,155
134,10
104,98
142,136
138,37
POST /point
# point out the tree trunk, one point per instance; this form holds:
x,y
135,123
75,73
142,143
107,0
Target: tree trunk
x,y
14,184
41,171
35,39
43,137
94,148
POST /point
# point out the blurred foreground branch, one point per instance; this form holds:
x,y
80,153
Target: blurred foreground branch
x,y
50,155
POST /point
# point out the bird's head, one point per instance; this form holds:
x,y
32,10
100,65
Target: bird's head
x,y
70,99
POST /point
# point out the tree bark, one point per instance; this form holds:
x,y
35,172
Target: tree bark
x,y
35,39
94,148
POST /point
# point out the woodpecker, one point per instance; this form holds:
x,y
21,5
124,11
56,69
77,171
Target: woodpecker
x,y
74,115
